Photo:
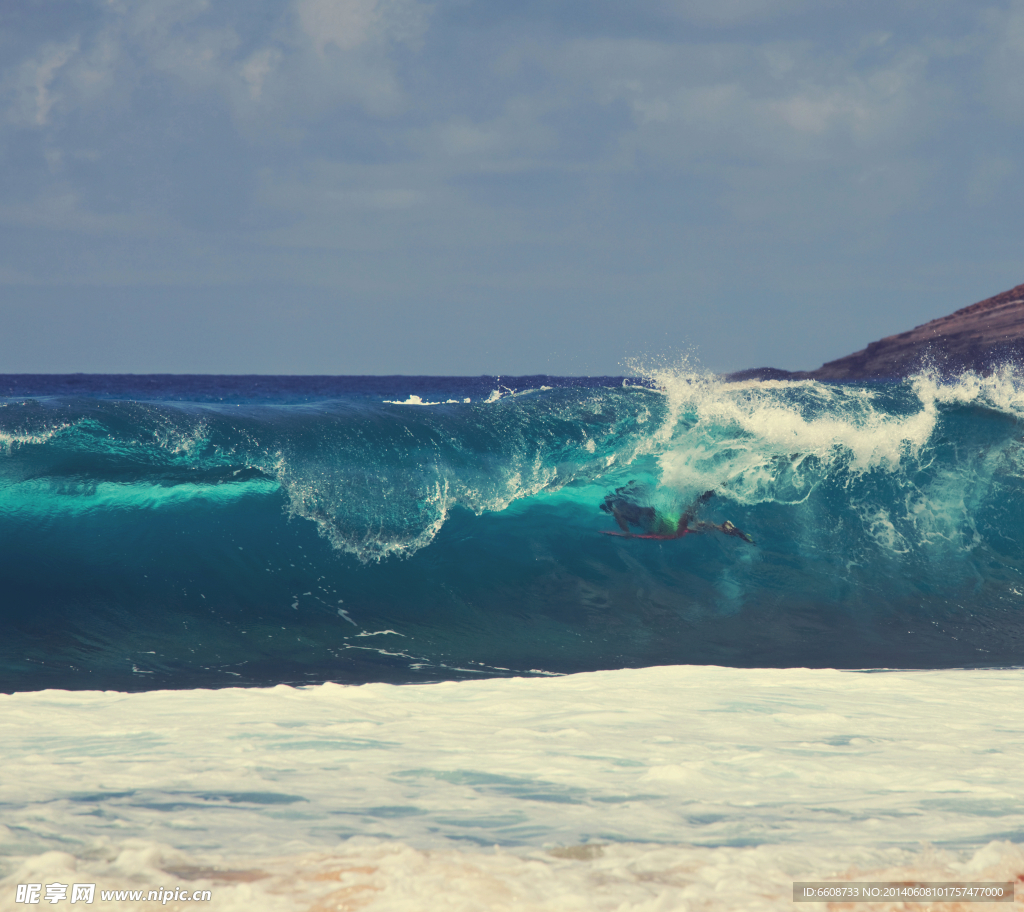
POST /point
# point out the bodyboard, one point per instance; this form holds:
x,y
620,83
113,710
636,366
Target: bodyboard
x,y
648,535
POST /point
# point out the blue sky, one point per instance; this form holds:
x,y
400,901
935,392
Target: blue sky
x,y
466,187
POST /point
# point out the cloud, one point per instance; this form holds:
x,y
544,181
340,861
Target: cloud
x,y
1005,62
573,139
731,12
347,24
306,57
783,100
257,68
32,89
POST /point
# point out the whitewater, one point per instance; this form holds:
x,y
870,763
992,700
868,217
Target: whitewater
x,y
340,643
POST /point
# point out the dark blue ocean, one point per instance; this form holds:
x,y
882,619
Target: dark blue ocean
x,y
189,531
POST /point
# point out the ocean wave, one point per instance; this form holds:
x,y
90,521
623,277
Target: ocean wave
x,y
887,519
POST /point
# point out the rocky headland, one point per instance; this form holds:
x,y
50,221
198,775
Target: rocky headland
x,y
979,338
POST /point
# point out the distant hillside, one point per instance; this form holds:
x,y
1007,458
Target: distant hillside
x,y
977,338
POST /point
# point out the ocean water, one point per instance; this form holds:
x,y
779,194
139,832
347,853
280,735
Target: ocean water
x,y
594,721
651,789
203,532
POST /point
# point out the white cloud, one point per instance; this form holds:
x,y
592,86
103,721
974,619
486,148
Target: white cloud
x,y
730,12
521,131
867,107
199,59
257,67
1005,61
347,24
323,53
33,85
789,101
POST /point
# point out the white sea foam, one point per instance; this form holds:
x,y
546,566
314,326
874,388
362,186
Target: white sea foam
x,y
38,496
9,440
776,441
759,423
417,400
378,875
660,788
181,440
506,392
1002,390
320,492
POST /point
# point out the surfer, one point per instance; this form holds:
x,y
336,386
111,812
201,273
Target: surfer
x,y
627,511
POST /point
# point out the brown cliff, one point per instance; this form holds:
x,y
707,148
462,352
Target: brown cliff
x,y
978,338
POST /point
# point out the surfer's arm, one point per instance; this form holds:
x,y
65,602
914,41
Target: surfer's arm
x,y
691,511
729,529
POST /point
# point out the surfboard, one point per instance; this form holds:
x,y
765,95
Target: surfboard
x,y
647,535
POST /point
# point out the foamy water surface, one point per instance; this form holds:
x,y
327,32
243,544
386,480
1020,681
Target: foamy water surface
x,y
660,788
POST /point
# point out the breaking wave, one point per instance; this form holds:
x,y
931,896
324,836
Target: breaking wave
x,y
182,532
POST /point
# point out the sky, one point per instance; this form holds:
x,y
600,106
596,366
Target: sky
x,y
498,186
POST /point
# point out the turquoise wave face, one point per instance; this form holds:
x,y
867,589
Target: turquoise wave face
x,y
442,530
